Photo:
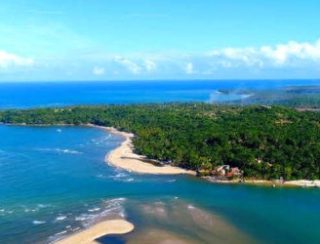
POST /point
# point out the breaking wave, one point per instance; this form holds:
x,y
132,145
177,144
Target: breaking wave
x,y
38,222
110,209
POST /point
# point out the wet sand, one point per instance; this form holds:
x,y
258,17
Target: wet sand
x,y
177,222
88,236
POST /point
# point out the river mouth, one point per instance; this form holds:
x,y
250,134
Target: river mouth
x,y
54,183
176,221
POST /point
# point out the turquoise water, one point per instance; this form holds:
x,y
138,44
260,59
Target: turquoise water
x,y
53,181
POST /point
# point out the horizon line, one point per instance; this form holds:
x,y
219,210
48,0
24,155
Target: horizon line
x,y
160,80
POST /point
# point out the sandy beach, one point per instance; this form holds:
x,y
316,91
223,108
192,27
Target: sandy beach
x,y
88,236
303,183
123,157
290,183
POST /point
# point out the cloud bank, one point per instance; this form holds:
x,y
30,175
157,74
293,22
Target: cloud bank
x,y
250,60
9,60
289,60
291,54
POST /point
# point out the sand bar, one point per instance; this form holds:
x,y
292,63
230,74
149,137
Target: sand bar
x,y
123,157
88,236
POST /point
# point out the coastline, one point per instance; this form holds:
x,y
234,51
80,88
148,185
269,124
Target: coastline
x,y
123,157
303,183
269,183
88,236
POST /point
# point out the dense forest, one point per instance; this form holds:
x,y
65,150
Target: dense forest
x,y
265,142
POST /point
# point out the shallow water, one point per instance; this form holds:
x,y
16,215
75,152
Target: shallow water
x,y
53,181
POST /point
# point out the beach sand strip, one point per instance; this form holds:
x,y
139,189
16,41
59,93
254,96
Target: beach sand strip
x,y
88,236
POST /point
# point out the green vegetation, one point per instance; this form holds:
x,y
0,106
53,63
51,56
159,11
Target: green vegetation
x,y
265,142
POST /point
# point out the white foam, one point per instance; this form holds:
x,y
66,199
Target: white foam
x,y
38,222
94,209
75,229
61,233
67,151
59,150
171,181
101,176
61,218
80,218
40,205
27,210
102,140
122,176
110,208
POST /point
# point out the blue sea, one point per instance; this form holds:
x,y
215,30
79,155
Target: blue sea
x,y
54,181
46,94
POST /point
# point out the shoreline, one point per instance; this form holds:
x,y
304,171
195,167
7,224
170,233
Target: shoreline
x,y
136,163
123,157
89,235
270,183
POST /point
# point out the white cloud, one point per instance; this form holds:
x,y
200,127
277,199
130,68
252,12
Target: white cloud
x,y
282,54
128,64
8,60
98,71
150,65
299,57
290,60
290,54
249,60
189,69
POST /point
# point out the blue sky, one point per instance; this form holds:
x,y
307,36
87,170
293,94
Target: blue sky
x,y
159,39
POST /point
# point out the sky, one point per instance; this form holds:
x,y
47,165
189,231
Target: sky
x,y
72,40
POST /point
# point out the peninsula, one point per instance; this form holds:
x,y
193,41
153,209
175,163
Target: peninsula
x,y
262,142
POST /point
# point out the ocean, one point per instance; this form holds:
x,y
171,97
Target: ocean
x,y
53,94
54,181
